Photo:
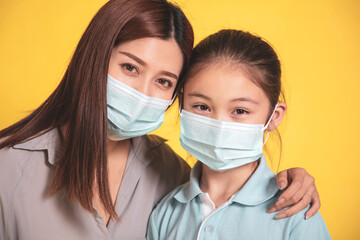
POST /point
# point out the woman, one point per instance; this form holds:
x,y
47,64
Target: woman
x,y
231,98
80,166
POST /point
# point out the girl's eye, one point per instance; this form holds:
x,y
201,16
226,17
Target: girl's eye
x,y
240,111
164,82
130,68
202,107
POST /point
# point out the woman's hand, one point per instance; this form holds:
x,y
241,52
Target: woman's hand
x,y
300,193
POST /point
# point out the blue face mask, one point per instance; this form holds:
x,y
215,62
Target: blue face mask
x,y
131,113
221,145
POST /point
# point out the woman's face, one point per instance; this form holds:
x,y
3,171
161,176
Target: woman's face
x,y
225,93
150,65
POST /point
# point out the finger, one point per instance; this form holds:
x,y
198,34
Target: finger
x,y
302,204
282,203
282,179
302,184
308,187
292,198
315,205
292,194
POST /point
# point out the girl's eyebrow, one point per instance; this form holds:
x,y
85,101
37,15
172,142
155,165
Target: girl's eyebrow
x,y
245,99
242,99
198,95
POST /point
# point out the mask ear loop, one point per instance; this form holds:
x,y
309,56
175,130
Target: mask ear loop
x,y
267,136
171,101
180,97
176,95
268,123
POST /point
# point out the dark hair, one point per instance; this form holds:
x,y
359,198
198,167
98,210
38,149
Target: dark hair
x,y
79,102
249,52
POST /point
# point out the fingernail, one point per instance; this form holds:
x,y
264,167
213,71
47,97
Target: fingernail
x,y
307,216
271,210
280,201
281,215
281,185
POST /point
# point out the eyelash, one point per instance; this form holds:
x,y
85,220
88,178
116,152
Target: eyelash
x,y
170,84
198,107
128,66
241,113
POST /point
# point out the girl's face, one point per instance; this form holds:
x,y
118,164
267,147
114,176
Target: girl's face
x,y
226,93
150,65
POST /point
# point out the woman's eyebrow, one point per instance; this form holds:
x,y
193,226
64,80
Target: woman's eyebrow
x,y
132,56
143,63
169,74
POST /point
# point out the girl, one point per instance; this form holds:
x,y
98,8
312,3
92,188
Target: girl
x,y
82,160
230,97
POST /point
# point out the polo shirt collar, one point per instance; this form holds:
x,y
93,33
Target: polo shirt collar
x,y
259,188
192,188
49,141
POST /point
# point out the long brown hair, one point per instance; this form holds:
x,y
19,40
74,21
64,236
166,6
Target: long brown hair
x,y
79,102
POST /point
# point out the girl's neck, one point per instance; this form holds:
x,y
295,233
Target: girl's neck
x,y
221,186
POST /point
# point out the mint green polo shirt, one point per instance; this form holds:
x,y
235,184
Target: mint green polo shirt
x,y
180,214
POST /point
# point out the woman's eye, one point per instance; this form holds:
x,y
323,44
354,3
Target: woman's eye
x,y
130,68
165,82
240,111
202,107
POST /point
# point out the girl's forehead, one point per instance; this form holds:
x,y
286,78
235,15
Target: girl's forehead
x,y
223,81
219,74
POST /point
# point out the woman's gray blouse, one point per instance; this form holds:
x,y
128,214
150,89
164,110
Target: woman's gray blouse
x,y
27,211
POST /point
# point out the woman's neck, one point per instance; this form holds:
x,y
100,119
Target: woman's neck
x,y
115,149
117,155
221,186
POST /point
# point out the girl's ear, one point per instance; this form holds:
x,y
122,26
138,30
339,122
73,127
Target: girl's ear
x,y
278,116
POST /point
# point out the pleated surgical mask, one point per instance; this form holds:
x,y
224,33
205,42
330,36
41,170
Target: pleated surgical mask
x,y
221,145
131,113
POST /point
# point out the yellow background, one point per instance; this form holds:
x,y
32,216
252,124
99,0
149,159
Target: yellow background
x,y
318,43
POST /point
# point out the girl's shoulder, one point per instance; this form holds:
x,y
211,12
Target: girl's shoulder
x,y
311,228
297,226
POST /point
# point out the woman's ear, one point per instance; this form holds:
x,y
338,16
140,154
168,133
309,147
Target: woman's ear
x,y
278,116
